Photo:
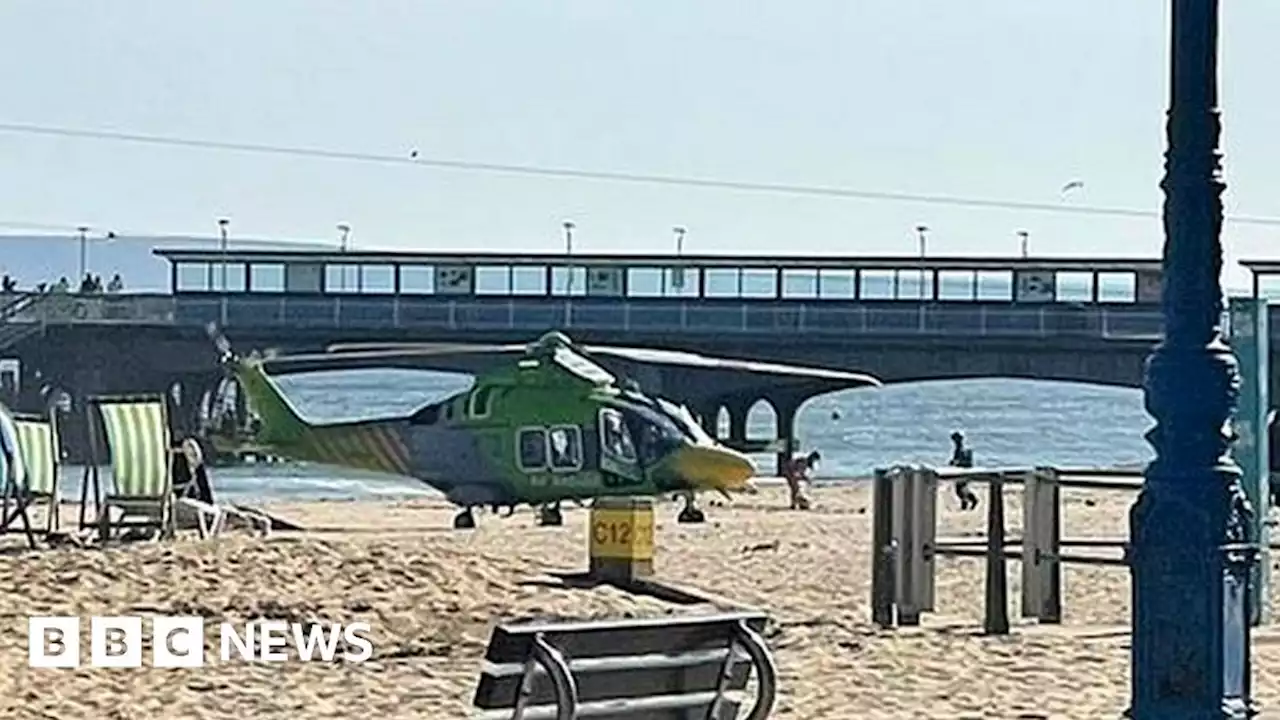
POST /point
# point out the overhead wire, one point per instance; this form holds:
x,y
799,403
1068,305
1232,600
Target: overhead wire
x,y
412,158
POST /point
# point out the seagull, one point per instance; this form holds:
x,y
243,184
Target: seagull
x,y
413,153
1073,185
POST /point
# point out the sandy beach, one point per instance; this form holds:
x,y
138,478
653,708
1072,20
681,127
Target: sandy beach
x,y
432,595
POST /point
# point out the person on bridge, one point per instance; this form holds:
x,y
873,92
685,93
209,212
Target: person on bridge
x,y
962,456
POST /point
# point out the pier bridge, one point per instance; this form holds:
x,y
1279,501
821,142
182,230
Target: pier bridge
x,y
904,319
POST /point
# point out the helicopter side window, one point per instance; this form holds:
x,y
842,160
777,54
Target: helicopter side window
x,y
614,437
531,449
566,447
481,402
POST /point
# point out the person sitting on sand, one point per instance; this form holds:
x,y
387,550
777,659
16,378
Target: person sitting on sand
x,y
962,457
796,471
188,467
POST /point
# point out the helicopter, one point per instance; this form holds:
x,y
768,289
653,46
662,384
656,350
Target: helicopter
x,y
542,424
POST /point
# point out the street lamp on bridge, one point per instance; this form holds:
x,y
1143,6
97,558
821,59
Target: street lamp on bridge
x,y
568,253
222,248
922,232
345,229
85,239
84,251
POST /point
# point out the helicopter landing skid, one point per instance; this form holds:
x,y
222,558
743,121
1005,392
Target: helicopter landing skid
x,y
691,512
464,520
549,515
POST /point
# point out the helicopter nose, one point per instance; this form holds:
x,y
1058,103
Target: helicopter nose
x,y
714,468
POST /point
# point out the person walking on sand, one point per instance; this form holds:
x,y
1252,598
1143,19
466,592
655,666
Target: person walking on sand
x,y
962,457
796,472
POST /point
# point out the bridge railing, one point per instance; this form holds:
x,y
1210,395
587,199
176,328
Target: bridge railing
x,y
69,308
671,316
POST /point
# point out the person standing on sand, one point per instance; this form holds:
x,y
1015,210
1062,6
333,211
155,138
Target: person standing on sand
x,y
962,457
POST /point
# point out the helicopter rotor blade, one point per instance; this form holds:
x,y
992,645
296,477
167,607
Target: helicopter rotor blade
x,y
427,359
425,347
646,356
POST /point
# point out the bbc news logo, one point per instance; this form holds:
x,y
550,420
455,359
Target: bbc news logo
x,y
116,641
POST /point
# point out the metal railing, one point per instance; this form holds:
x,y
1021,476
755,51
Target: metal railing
x,y
657,315
71,308
666,316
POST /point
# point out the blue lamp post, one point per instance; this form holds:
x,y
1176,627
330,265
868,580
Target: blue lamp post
x,y
1190,559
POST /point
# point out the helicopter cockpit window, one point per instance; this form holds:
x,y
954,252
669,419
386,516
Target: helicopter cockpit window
x,y
566,447
531,449
655,435
614,437
481,401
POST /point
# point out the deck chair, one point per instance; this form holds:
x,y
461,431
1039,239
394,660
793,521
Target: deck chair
x,y
13,478
41,451
136,433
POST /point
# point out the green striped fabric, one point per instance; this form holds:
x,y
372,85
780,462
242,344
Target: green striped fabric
x,y
38,441
138,436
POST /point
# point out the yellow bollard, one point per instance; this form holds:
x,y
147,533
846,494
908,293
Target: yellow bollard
x,y
621,538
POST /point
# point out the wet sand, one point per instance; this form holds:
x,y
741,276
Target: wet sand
x,y
432,594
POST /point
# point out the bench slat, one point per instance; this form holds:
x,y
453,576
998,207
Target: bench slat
x,y
617,677
514,643
624,662
658,707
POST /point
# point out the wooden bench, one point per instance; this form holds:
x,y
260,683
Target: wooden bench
x,y
669,668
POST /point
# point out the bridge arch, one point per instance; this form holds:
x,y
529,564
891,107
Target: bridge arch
x,y
762,416
722,423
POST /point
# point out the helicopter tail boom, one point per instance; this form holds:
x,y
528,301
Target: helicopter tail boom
x,y
376,446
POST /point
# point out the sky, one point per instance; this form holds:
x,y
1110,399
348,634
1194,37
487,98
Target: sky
x,y
1001,99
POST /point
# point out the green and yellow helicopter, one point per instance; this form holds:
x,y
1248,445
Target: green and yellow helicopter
x,y
541,424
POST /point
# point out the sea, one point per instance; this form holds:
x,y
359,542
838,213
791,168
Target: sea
x,y
1007,423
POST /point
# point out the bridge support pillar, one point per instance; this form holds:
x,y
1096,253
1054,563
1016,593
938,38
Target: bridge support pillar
x,y
786,407
738,408
707,414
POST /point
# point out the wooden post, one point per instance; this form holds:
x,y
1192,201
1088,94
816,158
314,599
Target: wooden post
x,y
621,539
1051,600
1031,546
906,539
997,619
882,550
927,524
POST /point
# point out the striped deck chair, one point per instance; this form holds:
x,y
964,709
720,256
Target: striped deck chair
x,y
41,458
136,431
13,477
